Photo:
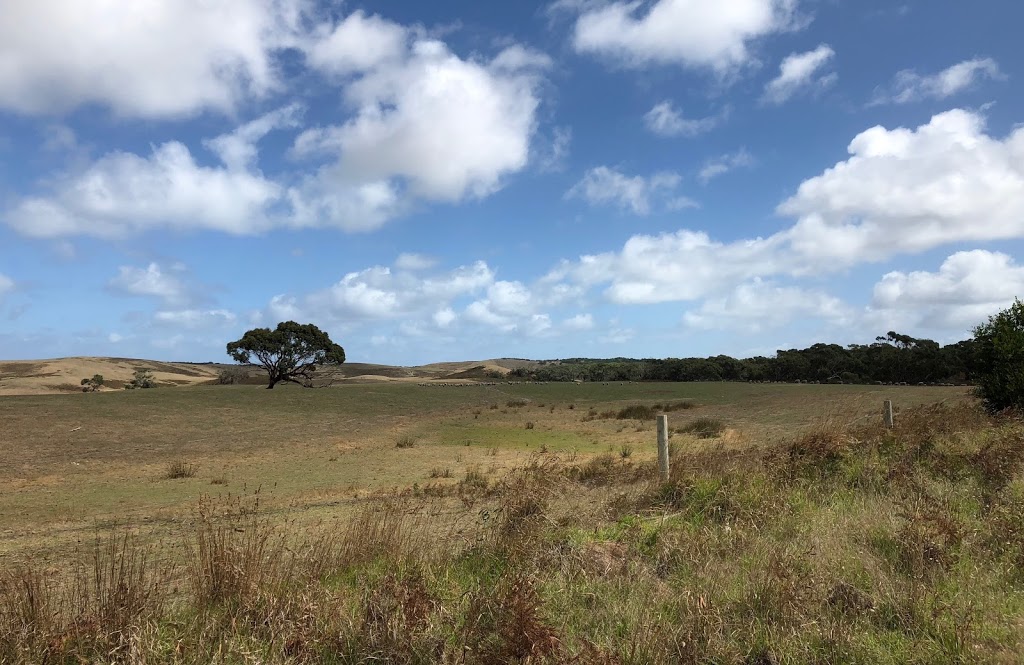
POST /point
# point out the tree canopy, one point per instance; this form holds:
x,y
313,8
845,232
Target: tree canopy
x,y
893,358
1000,357
290,353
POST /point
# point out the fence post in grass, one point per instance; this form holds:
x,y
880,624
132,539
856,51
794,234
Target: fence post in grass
x,y
663,448
887,414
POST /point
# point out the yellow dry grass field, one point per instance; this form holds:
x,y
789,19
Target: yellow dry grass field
x,y
64,375
76,461
448,522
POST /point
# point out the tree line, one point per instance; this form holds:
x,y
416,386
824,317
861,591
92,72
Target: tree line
x,y
893,358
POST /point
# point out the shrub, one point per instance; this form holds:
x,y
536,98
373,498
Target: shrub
x,y
406,441
529,424
703,428
626,451
1000,344
180,469
93,384
516,403
231,376
143,379
635,412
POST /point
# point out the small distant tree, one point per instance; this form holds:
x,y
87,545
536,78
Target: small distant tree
x,y
143,378
1000,359
290,353
93,384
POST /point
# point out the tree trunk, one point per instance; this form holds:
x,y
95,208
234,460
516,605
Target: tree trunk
x,y
273,380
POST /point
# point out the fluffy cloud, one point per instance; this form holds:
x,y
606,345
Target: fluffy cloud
x,y
968,287
800,71
693,33
580,322
378,293
6,285
425,124
422,124
723,164
759,305
448,303
603,185
123,193
909,86
195,319
151,282
686,265
160,58
905,191
238,151
510,307
665,120
356,44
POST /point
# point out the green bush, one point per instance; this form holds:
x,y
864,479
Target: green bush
x,y
93,384
1000,344
143,379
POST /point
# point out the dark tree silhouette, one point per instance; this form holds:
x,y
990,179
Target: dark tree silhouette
x,y
291,353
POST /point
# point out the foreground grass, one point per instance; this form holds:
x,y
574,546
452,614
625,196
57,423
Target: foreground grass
x,y
842,544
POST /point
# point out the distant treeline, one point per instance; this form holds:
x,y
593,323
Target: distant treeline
x,y
894,359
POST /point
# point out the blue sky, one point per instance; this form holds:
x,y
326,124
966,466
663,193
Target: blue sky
x,y
465,180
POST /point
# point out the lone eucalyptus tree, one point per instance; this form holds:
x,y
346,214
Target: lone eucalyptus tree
x,y
290,353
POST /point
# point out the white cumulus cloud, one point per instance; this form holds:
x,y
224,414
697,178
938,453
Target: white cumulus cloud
x,y
798,72
968,287
759,305
124,193
420,124
152,58
195,319
423,125
692,33
153,281
908,190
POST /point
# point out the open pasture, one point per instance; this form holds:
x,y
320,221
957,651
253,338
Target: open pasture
x,y
511,524
75,462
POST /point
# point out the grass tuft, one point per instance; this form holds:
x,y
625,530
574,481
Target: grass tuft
x,y
180,469
703,428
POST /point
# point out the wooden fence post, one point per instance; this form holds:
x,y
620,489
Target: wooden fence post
x,y
887,414
663,448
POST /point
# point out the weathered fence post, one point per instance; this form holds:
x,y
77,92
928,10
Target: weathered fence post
x,y
887,414
663,448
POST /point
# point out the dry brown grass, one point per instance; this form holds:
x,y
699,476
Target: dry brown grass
x,y
843,542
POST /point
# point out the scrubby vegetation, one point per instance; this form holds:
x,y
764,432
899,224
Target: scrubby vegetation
x,y
143,378
1000,352
894,358
845,544
93,384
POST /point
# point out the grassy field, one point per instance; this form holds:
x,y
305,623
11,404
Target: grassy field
x,y
510,523
74,461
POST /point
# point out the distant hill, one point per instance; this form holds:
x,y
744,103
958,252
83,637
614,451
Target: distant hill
x,y
64,375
